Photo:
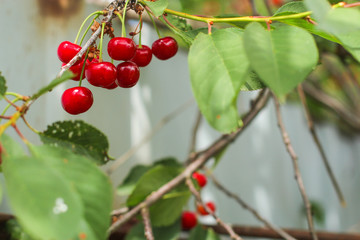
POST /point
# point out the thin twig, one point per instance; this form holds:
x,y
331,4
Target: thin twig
x,y
253,8
118,162
119,211
194,135
197,196
298,176
320,147
248,207
201,159
147,223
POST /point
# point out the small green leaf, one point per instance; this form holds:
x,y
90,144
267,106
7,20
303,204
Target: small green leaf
x,y
282,57
3,87
66,76
79,137
158,7
128,185
218,68
291,8
170,232
202,233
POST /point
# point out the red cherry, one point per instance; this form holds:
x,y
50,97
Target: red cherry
x,y
143,56
77,68
188,220
112,86
67,50
77,100
121,48
277,2
201,209
164,48
200,178
128,74
101,74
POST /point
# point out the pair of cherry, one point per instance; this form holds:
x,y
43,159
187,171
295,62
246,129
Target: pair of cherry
x,y
104,74
188,218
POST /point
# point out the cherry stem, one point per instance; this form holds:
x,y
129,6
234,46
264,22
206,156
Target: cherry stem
x,y
29,126
209,27
101,40
83,23
123,30
83,67
87,30
8,106
20,134
152,20
141,24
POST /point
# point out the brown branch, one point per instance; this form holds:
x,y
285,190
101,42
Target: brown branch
x,y
197,196
320,147
249,208
147,223
298,177
195,129
211,151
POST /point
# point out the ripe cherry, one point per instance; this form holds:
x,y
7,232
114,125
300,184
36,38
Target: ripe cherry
x,y
121,48
67,50
188,220
112,86
201,209
128,74
200,178
77,100
77,68
143,56
277,2
164,48
101,74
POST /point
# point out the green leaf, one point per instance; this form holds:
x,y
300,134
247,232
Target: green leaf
x,y
3,86
291,8
179,23
165,211
218,68
10,148
79,137
170,232
158,7
65,197
252,83
66,76
202,233
319,8
127,187
282,57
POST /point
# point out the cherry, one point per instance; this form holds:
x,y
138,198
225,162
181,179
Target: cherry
x,y
188,220
164,48
277,2
201,209
200,178
101,74
112,86
143,56
77,68
77,100
128,74
121,48
67,50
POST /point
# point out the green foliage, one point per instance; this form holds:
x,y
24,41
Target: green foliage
x,y
290,8
3,86
202,233
218,68
66,76
282,57
67,196
170,232
79,137
157,7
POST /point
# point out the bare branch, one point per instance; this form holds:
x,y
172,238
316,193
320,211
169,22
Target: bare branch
x,y
298,177
248,207
146,218
211,151
197,196
195,129
319,146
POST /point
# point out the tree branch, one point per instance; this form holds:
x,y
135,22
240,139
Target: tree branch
x,y
147,223
298,177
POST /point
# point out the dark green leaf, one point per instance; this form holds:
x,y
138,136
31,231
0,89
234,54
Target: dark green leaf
x,y
66,76
179,23
282,57
202,233
291,8
127,187
171,232
158,7
3,86
79,137
218,68
252,83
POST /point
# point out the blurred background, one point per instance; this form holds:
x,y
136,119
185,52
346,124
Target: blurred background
x,y
256,166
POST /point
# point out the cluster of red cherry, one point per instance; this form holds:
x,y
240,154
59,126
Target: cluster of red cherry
x,y
189,218
103,74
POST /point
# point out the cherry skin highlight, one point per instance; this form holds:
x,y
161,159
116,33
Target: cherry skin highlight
x,y
164,48
200,178
121,48
128,74
77,100
101,74
188,220
67,50
143,56
201,209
